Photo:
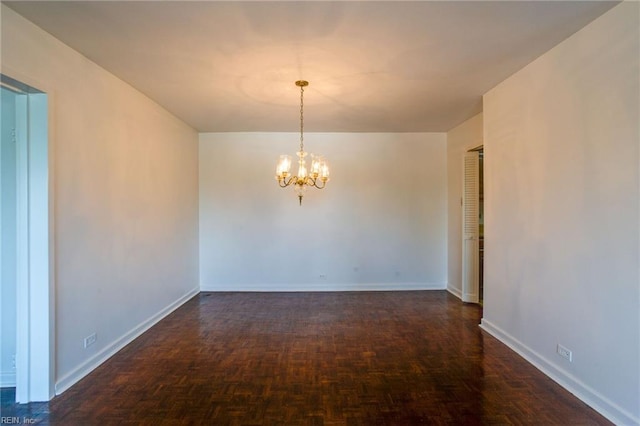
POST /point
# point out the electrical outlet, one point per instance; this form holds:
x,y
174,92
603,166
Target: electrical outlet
x,y
90,340
564,353
13,362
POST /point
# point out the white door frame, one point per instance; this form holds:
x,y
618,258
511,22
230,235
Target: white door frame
x,y
35,335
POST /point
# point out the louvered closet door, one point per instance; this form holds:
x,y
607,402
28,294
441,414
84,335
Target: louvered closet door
x,y
470,228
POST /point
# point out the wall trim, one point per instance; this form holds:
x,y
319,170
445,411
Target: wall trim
x,y
261,287
595,400
457,293
7,379
92,363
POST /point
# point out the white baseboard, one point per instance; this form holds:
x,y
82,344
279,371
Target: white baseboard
x,y
457,293
595,400
7,379
92,363
319,287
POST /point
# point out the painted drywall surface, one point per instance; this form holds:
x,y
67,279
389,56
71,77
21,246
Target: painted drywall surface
x,y
379,224
460,139
561,144
8,242
126,196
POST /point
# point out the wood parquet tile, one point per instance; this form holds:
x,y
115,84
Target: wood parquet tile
x,y
365,358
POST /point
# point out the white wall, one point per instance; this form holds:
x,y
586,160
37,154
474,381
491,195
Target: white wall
x,y
125,190
380,223
460,139
8,240
561,142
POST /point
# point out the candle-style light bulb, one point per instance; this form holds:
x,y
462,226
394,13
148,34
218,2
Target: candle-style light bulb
x,y
324,171
283,167
316,163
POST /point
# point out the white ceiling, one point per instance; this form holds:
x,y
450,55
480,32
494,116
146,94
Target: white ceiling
x,y
373,66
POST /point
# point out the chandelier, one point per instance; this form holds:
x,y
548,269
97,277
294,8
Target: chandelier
x,y
317,176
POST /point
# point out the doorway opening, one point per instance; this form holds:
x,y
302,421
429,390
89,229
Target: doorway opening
x,y
26,315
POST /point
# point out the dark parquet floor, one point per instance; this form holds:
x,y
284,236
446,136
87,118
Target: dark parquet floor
x,y
379,358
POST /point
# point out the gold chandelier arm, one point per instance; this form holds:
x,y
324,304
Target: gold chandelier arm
x,y
314,183
283,183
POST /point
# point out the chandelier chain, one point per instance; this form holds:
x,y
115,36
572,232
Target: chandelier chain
x,y
301,118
